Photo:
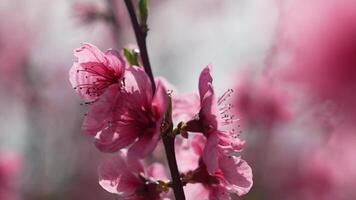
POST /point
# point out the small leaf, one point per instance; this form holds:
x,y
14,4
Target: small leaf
x,y
131,56
143,9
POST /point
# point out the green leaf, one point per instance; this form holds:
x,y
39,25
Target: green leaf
x,y
131,56
143,10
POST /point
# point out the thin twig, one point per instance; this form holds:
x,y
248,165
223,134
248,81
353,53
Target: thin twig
x,y
172,162
168,140
141,35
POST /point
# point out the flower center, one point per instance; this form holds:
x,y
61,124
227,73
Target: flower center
x,y
96,77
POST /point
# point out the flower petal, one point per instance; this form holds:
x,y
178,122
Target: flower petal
x,y
237,174
109,140
211,153
185,107
205,80
115,62
144,145
218,193
196,191
89,53
139,85
187,158
208,100
157,171
116,177
160,101
100,112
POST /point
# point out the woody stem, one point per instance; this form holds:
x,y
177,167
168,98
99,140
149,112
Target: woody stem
x,y
168,141
141,34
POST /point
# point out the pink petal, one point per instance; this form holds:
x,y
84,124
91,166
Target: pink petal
x,y
208,102
116,177
205,80
104,121
185,107
111,141
115,61
198,143
209,110
90,79
211,153
187,159
139,85
237,174
196,191
89,53
157,171
230,143
218,193
100,113
199,191
160,101
144,145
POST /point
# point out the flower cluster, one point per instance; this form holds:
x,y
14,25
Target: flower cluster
x,y
127,117
213,145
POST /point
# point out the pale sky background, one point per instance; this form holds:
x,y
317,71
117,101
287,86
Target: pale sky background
x,y
184,36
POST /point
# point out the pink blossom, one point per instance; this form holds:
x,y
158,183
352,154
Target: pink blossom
x,y
234,175
95,71
320,38
215,122
129,179
327,173
10,169
260,103
15,45
212,163
128,116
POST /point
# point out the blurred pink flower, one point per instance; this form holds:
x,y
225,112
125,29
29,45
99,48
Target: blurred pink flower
x,y
128,115
15,44
87,12
10,170
129,179
234,175
259,103
320,36
327,173
95,71
212,120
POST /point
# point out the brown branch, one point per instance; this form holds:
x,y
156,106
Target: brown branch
x,y
168,140
141,34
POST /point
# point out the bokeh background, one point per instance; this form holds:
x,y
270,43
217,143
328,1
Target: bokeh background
x,y
291,63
